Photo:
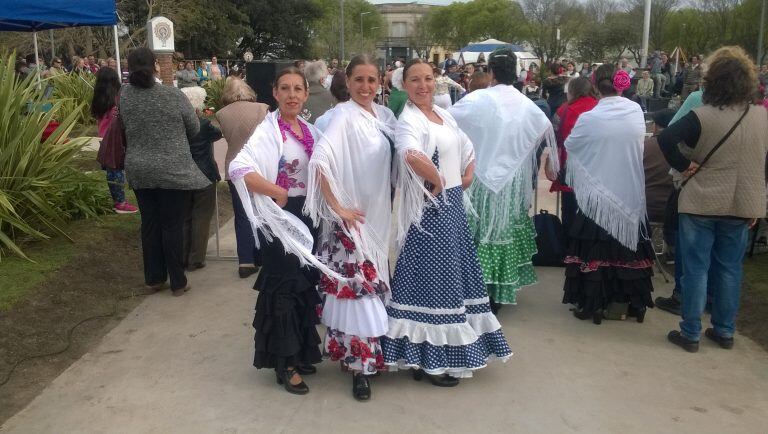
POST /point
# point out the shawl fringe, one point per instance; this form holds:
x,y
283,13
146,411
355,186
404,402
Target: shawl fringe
x,y
602,206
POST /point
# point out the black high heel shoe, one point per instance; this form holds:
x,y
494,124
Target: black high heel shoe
x,y
284,379
361,387
597,317
444,380
638,313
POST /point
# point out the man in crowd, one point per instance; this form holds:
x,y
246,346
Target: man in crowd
x,y
657,73
449,62
692,77
624,66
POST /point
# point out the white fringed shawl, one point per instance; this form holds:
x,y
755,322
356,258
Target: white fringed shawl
x,y
506,128
261,154
412,135
605,167
355,160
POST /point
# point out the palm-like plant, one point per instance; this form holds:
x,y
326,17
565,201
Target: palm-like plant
x,y
39,188
74,92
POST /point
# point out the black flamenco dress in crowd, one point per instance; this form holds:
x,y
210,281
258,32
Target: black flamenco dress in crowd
x,y
599,272
286,308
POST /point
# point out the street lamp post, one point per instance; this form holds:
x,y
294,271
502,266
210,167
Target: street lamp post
x,y
646,34
361,30
759,57
341,32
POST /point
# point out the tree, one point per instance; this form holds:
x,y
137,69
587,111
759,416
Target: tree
x,y
458,24
325,29
279,29
609,39
545,17
660,9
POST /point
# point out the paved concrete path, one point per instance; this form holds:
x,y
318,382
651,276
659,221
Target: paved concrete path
x,y
183,365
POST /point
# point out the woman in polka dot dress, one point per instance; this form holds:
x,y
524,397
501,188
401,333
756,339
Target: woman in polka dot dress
x,y
506,129
440,320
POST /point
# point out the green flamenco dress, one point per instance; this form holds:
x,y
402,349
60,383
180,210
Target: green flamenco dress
x,y
504,250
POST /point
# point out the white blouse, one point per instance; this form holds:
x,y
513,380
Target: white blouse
x,y
292,173
448,147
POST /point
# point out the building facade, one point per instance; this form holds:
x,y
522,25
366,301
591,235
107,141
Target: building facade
x,y
405,38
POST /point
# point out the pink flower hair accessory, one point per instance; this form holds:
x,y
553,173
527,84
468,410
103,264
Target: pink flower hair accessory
x,y
621,81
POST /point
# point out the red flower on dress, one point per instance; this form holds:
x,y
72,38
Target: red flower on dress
x,y
369,271
355,347
365,352
380,361
328,285
369,288
349,269
346,292
345,240
340,353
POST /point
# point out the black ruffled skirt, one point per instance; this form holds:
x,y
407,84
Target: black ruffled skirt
x,y
286,308
599,270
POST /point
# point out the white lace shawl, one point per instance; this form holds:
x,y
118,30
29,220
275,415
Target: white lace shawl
x,y
506,128
261,154
605,167
412,135
354,158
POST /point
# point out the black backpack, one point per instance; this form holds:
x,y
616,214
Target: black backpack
x,y
549,240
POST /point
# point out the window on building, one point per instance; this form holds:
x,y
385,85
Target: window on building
x,y
399,29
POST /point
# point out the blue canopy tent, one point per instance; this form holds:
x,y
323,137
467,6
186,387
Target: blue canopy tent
x,y
36,15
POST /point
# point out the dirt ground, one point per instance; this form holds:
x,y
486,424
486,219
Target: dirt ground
x,y
83,300
102,282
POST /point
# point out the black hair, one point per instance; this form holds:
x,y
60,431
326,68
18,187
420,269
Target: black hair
x,y
141,63
663,117
603,77
416,61
30,58
360,59
339,87
104,92
503,64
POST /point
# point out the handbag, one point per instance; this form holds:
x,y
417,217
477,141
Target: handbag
x,y
112,148
549,240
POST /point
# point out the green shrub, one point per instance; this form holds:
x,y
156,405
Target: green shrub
x,y
214,89
74,93
40,189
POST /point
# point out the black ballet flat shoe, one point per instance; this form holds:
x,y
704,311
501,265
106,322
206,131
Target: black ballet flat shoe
x,y
596,316
244,272
284,377
361,387
306,369
444,380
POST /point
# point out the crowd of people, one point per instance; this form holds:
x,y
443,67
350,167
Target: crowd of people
x,y
443,159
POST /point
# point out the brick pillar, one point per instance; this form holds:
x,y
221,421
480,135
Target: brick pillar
x,y
165,60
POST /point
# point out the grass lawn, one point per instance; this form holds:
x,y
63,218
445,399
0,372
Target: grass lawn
x,y
18,276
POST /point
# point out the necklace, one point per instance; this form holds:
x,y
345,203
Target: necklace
x,y
306,140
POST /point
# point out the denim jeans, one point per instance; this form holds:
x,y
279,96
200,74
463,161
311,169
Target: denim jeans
x,y
116,181
711,249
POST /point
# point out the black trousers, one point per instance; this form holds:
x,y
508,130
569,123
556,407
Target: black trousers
x,y
163,212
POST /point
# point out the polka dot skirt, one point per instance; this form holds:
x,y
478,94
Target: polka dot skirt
x,y
438,269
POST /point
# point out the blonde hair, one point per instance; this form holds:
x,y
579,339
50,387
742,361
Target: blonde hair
x,y
235,90
196,96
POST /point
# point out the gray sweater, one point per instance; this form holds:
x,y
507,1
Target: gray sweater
x,y
159,122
